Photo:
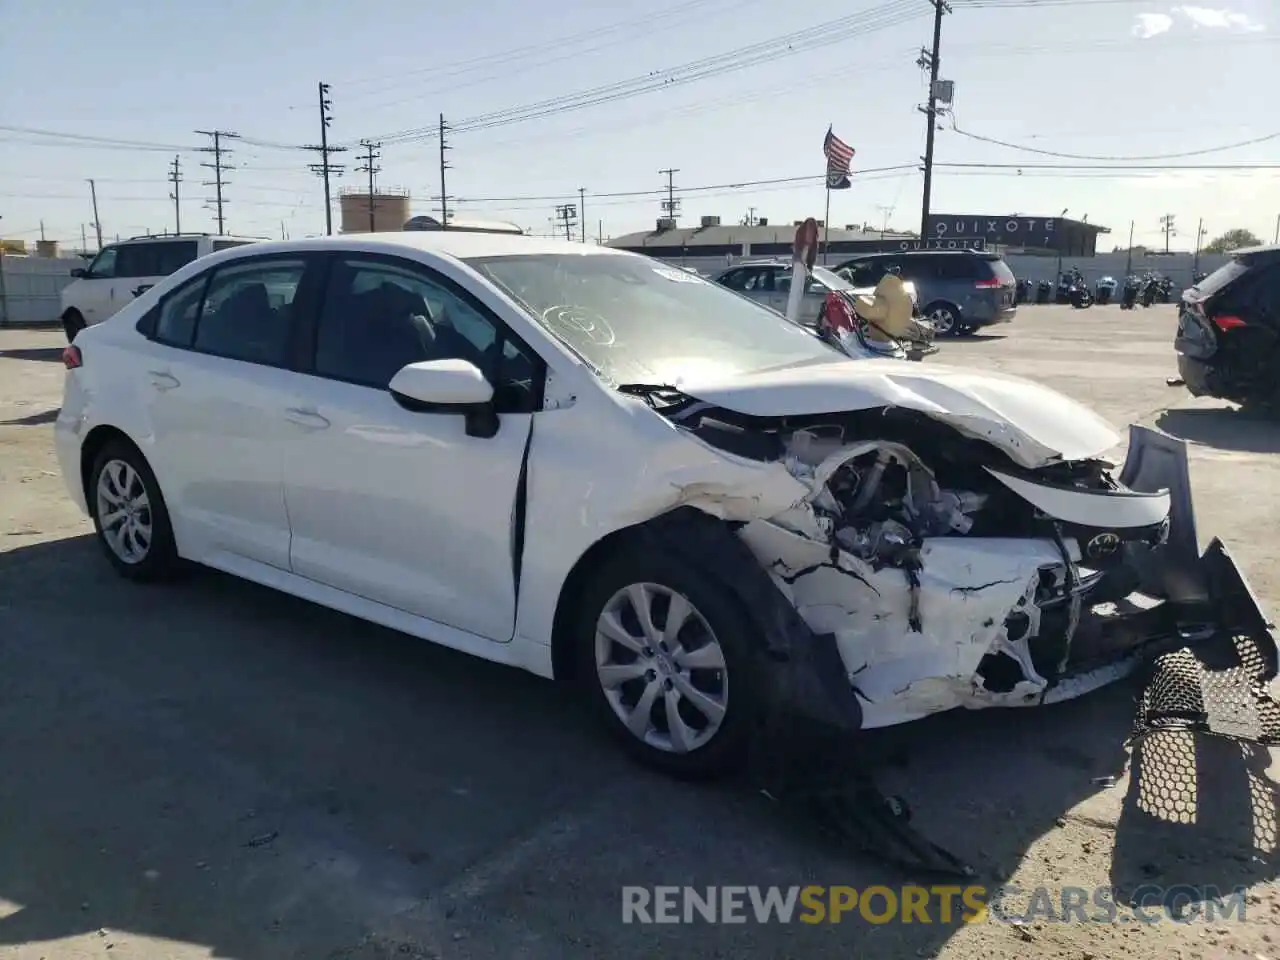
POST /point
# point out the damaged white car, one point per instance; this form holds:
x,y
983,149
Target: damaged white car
x,y
599,467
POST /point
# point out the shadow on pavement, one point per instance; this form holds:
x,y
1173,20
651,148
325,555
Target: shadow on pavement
x,y
215,763
31,419
1223,427
48,354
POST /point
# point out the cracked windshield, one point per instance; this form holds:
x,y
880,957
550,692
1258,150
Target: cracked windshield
x,y
639,321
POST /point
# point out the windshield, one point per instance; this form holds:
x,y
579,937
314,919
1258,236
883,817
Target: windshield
x,y
640,321
1220,278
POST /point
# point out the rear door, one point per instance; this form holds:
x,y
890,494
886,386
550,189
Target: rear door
x,y
218,387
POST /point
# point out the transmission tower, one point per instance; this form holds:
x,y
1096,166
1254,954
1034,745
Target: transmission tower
x,y
671,206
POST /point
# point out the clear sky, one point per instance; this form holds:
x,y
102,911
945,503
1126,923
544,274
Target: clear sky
x,y
1093,78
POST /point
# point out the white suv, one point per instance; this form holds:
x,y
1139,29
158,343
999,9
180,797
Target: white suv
x,y
124,270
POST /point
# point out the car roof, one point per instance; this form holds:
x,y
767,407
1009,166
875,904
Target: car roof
x,y
1265,251
459,245
177,237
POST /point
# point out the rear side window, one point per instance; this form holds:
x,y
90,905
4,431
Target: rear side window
x,y
247,310
228,244
956,268
733,279
176,322
157,259
1254,292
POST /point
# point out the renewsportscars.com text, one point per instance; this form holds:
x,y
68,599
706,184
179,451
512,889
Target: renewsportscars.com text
x,y
945,904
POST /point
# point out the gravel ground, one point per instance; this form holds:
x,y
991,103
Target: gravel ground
x,y
213,769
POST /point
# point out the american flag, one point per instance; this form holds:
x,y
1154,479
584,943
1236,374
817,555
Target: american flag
x,y
839,156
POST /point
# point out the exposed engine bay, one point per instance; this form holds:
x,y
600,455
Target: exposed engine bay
x,y
947,575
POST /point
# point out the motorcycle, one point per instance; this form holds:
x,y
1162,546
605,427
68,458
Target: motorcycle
x,y
1150,289
1023,292
1104,290
1072,289
879,325
1129,298
1044,291
1164,289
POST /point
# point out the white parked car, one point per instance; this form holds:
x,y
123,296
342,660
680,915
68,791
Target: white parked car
x,y
122,271
599,467
769,282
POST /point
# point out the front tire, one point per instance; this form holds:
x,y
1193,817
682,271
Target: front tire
x,y
945,319
667,664
72,323
129,515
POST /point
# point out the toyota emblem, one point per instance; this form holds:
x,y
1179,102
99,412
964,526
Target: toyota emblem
x,y
1103,545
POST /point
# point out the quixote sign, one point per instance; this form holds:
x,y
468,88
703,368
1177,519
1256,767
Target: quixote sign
x,y
939,243
1019,231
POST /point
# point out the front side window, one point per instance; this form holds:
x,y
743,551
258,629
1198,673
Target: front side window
x,y
247,310
378,317
136,260
172,256
104,265
863,273
640,321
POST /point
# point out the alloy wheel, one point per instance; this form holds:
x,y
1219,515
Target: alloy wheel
x,y
661,668
943,320
124,511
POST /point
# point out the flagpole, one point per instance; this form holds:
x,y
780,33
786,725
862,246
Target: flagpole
x,y
826,225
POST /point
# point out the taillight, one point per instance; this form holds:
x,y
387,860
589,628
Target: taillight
x,y
989,284
1227,321
71,358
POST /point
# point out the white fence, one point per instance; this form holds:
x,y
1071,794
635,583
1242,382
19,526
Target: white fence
x,y
29,288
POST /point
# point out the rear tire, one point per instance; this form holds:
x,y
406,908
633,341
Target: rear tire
x,y
72,323
706,676
130,516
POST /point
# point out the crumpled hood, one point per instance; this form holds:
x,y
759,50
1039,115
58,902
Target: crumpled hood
x,y
1031,423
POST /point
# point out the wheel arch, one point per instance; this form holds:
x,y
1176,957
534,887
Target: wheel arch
x,y
94,442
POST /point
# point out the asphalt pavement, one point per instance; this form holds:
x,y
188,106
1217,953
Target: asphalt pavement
x,y
214,769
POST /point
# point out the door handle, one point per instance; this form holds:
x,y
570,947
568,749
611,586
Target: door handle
x,y
162,380
306,418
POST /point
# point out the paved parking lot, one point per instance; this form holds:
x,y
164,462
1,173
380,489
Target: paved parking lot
x,y
213,769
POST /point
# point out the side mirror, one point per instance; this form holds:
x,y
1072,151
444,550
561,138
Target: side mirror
x,y
447,386
79,272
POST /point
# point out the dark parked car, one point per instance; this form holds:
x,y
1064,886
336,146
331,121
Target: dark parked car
x,y
1228,340
959,290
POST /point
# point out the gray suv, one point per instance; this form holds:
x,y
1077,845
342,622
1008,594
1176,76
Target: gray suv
x,y
959,290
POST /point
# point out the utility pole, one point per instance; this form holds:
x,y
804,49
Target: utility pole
x,y
175,177
567,214
582,211
444,194
671,206
1277,239
929,59
1128,264
324,169
219,167
1166,224
97,223
370,155
1200,232
600,234
887,210
84,240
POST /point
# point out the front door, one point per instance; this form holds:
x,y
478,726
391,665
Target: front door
x,y
401,506
93,291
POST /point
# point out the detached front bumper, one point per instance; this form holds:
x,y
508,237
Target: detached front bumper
x,y
987,622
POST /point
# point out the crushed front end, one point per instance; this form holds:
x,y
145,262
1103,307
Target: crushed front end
x,y
948,576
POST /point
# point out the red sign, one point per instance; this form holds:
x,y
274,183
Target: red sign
x,y
805,248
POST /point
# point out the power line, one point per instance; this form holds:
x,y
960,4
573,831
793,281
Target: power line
x,y
1204,151
218,167
820,35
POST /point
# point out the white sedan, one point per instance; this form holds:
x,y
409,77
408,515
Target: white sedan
x,y
598,467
